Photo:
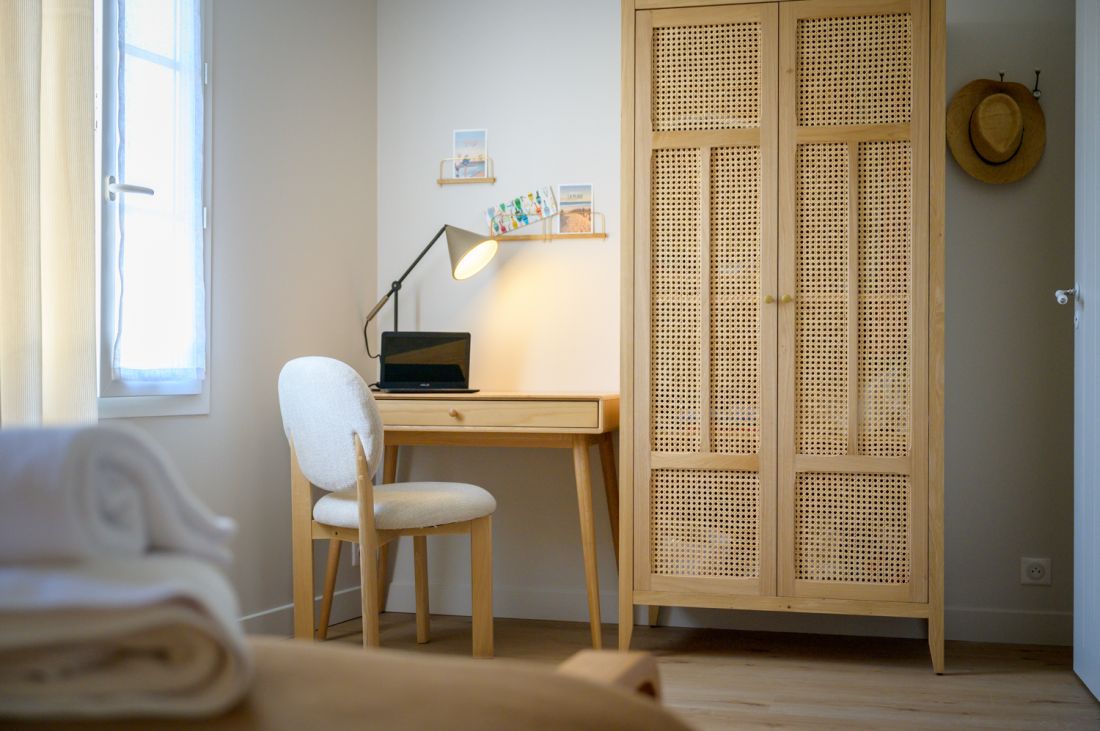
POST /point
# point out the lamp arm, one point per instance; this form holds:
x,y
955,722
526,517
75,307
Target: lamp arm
x,y
381,303
396,286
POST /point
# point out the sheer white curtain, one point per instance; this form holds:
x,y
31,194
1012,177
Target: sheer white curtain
x,y
47,219
160,297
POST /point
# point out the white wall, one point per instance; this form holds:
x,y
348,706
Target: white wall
x,y
293,261
545,316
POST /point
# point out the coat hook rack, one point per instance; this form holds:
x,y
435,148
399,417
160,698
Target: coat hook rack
x,y
1035,92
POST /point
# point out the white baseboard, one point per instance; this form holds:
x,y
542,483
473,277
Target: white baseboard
x,y
1017,626
973,624
279,621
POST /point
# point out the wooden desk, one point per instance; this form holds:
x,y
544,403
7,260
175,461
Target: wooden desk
x,y
570,421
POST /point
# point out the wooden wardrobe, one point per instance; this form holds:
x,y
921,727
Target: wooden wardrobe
x,y
782,423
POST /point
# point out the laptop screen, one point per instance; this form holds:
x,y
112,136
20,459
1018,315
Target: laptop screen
x,y
425,360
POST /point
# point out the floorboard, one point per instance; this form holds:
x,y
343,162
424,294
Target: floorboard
x,y
723,679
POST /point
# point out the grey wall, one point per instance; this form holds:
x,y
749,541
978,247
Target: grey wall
x,y
293,219
1009,423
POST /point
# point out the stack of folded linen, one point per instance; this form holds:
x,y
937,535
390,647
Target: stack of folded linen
x,y
113,601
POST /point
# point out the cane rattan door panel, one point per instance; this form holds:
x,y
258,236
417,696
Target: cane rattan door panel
x,y
852,490
705,228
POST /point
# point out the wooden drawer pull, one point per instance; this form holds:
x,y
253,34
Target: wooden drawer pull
x,y
453,413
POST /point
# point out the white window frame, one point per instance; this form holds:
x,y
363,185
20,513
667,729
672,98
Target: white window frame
x,y
118,400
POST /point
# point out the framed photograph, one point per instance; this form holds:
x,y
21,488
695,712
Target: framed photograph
x,y
523,210
471,153
577,213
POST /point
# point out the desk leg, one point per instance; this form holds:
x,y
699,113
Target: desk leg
x,y
588,535
611,487
389,475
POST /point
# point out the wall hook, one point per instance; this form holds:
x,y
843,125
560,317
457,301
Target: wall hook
x,y
1035,92
1002,73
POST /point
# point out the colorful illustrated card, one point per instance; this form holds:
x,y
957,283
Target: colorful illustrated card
x,y
523,210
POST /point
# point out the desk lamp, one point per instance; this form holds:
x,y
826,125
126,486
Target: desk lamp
x,y
469,252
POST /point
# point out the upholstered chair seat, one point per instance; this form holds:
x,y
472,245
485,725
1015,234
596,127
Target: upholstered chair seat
x,y
406,505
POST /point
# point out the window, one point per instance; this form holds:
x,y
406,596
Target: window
x,y
154,242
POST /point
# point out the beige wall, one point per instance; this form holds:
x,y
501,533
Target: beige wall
x,y
545,315
293,256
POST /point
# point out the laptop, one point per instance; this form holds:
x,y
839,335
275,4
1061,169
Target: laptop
x,y
417,362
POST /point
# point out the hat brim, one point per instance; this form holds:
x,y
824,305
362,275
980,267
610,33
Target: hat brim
x,y
1032,142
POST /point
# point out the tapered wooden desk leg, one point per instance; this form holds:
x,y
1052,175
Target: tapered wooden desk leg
x,y
481,585
389,476
588,535
611,487
330,587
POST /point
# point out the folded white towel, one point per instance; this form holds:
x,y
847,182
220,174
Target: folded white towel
x,y
79,492
151,636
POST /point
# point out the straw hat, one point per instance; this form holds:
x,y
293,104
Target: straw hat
x,y
996,130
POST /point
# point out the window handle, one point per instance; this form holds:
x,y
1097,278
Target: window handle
x,y
111,188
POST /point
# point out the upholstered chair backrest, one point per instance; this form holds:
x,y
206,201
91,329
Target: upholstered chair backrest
x,y
325,403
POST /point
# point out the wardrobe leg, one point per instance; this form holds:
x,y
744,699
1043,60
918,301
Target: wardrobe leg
x,y
654,615
936,641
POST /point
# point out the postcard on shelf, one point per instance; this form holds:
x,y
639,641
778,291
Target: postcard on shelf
x,y
521,211
577,214
471,153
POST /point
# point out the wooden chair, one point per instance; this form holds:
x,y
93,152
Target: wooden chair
x,y
335,435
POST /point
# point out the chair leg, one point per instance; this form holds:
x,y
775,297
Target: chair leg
x,y
383,575
481,584
302,547
368,588
389,476
420,561
330,587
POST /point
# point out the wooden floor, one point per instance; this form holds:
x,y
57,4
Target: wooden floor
x,y
721,679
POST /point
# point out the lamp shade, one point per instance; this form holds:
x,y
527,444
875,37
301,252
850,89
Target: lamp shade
x,y
470,252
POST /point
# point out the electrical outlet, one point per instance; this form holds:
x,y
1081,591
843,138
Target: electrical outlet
x,y
1035,571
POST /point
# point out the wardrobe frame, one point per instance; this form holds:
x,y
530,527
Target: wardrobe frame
x,y
634,430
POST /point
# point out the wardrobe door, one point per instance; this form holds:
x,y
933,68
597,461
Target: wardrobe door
x,y
705,253
853,281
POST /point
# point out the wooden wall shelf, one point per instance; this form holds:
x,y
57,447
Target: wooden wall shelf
x,y
489,179
548,234
547,237
464,181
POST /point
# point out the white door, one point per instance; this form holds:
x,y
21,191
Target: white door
x,y
1086,461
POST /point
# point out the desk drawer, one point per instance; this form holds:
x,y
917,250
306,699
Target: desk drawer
x,y
502,414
